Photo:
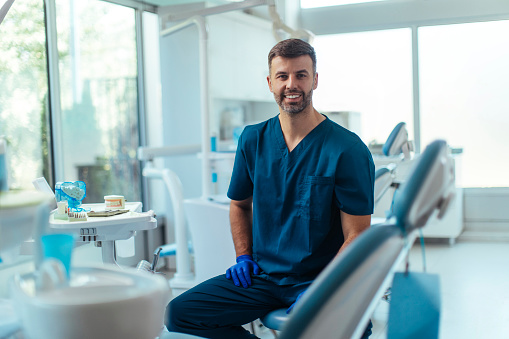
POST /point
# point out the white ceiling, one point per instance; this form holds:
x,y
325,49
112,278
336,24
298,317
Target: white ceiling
x,y
162,3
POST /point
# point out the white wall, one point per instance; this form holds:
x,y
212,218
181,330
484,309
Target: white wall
x,y
486,209
181,123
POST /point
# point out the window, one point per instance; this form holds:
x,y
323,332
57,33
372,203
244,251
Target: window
x,y
464,75
95,135
99,106
24,92
369,73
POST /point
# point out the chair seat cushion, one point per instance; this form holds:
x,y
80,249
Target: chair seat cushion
x,y
275,319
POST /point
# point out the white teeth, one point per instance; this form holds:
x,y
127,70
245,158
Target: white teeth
x,y
292,96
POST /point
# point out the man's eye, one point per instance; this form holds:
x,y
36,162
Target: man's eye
x,y
281,77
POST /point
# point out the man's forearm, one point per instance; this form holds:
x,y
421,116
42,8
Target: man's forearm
x,y
353,226
241,221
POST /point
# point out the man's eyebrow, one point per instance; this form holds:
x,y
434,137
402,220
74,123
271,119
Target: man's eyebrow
x,y
298,72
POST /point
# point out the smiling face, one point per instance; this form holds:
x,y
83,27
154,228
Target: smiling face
x,y
292,81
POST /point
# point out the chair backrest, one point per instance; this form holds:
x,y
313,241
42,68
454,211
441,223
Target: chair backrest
x,y
335,304
396,140
384,177
340,301
429,187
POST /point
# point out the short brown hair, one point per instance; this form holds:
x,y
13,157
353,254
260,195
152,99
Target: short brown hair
x,y
292,48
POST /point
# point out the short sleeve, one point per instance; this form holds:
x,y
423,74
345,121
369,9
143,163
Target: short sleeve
x,y
355,177
241,184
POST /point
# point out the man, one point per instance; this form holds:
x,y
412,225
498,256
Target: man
x,y
301,190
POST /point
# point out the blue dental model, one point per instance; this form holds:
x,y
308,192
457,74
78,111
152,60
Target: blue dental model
x,y
72,192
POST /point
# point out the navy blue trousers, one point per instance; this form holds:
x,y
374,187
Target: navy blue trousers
x,y
217,308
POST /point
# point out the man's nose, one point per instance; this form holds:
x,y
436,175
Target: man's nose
x,y
292,82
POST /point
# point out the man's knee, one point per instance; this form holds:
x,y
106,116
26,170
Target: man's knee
x,y
176,313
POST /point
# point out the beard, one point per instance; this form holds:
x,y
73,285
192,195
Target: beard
x,y
294,107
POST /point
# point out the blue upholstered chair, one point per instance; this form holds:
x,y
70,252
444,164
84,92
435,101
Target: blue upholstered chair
x,y
395,154
339,303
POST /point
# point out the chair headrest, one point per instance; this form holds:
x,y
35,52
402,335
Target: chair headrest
x,y
396,140
429,186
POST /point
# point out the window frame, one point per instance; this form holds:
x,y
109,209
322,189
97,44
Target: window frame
x,y
55,109
411,14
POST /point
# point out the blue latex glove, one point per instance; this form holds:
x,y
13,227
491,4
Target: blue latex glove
x,y
241,272
293,305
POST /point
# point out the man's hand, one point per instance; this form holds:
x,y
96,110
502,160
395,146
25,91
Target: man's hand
x,y
295,302
241,272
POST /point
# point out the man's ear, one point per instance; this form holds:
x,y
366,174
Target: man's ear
x,y
315,81
269,83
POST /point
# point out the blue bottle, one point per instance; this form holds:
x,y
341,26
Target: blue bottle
x,y
3,166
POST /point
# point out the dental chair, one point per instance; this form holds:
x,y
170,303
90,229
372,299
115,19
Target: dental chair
x,y
384,185
340,302
397,142
384,178
396,156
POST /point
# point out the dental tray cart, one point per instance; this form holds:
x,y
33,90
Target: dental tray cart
x,y
106,230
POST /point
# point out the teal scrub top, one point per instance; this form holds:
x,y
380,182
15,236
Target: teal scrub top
x,y
297,195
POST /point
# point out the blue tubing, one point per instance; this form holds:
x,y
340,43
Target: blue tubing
x,y
171,249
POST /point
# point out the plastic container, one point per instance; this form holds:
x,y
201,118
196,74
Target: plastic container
x,y
58,246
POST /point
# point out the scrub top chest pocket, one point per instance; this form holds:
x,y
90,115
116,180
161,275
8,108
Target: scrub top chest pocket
x,y
316,197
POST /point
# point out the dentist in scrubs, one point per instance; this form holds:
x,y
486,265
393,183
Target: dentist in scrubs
x,y
301,191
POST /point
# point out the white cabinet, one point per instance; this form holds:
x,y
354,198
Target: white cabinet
x,y
238,47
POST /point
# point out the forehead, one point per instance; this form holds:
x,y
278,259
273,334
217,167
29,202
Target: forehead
x,y
289,65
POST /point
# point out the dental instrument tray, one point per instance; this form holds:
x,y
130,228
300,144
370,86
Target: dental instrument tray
x,y
104,228
106,213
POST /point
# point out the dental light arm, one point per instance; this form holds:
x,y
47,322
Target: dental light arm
x,y
149,153
174,187
278,25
